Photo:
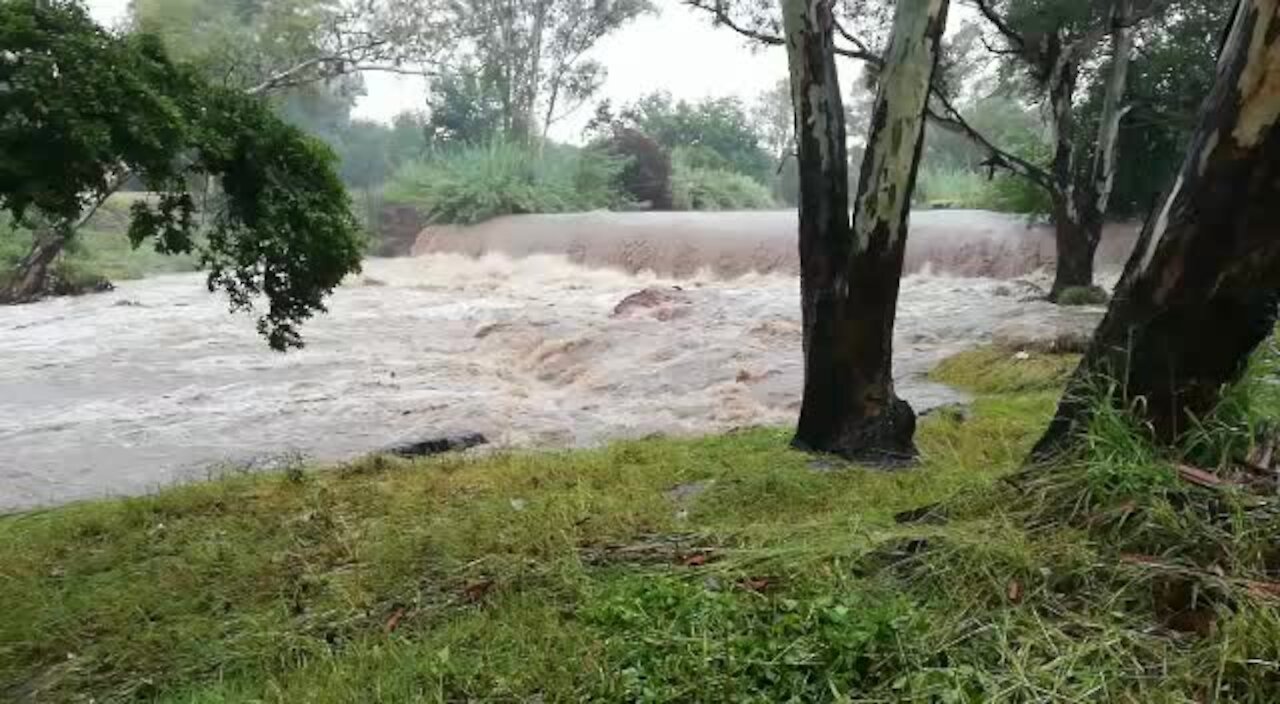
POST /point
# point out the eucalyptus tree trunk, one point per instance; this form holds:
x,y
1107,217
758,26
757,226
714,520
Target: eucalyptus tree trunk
x,y
1080,229
1102,175
850,271
1199,293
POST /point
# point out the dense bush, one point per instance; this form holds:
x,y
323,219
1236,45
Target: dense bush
x,y
708,188
473,184
646,177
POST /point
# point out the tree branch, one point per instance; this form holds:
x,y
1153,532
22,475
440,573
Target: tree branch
x,y
951,120
721,16
1002,26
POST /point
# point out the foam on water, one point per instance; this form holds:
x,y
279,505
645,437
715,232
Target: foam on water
x,y
123,392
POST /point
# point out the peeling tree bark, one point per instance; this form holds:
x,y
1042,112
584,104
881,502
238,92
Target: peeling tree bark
x,y
1102,175
1200,292
850,271
1079,201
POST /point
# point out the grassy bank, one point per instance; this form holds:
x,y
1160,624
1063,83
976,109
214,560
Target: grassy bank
x,y
721,569
101,250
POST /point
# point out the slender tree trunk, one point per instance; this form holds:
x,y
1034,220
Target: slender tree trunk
x,y
1079,219
32,273
1199,293
850,271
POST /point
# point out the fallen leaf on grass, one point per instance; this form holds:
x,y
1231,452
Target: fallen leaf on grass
x,y
1200,477
394,621
1015,591
695,560
756,585
1264,590
476,592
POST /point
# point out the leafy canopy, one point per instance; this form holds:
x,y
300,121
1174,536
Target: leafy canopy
x,y
717,133
83,108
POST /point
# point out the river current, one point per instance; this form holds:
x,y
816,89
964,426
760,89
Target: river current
x,y
155,382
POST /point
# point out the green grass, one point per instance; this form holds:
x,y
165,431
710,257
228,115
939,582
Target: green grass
x,y
995,370
950,188
101,249
575,576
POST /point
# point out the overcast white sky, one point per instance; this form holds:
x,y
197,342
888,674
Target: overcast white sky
x,y
675,50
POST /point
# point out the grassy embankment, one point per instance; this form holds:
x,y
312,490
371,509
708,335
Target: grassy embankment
x,y
100,251
720,569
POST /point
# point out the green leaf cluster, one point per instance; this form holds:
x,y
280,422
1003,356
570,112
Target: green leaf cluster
x,y
83,109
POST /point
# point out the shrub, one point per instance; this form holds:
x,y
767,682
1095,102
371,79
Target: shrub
x,y
646,177
708,188
1083,296
473,184
1015,194
950,188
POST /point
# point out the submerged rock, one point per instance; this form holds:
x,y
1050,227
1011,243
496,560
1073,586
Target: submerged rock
x,y
436,446
659,303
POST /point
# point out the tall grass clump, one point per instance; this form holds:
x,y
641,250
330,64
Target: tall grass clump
x,y
475,183
951,188
695,185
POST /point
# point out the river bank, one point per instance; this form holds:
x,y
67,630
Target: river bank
x,y
724,568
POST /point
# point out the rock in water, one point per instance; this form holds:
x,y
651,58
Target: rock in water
x,y
660,303
436,446
1069,331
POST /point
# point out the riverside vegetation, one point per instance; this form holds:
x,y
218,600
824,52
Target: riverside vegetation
x,y
717,569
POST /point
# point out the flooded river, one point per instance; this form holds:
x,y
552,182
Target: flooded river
x,y
156,382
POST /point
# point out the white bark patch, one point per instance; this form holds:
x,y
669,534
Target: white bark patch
x,y
1211,144
1260,80
801,25
1162,224
904,89
1104,165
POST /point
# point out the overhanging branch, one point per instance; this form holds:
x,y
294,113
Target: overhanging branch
x,y
951,120
1006,30
720,16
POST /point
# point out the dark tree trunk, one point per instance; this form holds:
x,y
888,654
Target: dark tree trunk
x,y
1076,243
1199,293
850,271
1075,250
31,275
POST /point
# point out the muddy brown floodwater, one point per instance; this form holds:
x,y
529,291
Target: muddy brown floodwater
x,y
156,382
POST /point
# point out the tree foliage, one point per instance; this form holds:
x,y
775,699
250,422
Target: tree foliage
x,y
465,108
1170,76
646,176
533,54
83,107
716,133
